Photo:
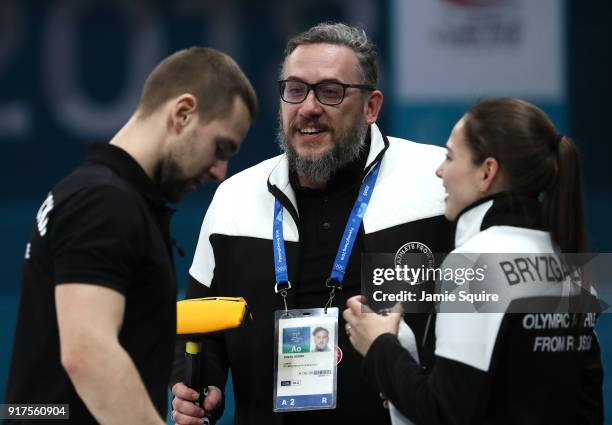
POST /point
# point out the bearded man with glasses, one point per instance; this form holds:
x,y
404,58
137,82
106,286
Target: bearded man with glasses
x,y
329,105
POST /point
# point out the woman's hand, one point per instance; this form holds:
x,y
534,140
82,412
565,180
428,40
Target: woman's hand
x,y
363,325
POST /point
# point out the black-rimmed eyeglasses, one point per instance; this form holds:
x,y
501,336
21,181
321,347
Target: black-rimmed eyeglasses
x,y
327,92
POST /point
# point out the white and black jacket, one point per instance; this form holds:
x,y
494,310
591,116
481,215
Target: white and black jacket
x,y
499,367
234,258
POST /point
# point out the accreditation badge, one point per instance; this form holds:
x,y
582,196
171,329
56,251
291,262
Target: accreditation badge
x,y
305,359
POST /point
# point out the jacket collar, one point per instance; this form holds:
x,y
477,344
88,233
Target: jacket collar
x,y
501,209
280,186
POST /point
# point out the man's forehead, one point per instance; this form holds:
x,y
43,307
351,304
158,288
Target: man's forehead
x,y
322,61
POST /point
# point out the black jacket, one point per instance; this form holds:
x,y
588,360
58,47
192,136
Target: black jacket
x,y
234,258
497,367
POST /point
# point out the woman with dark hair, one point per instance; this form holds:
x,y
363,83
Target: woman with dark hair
x,y
518,151
513,187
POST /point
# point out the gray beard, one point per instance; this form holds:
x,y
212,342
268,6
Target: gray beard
x,y
347,148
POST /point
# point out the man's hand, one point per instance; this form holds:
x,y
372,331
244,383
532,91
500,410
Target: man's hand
x,y
363,326
185,412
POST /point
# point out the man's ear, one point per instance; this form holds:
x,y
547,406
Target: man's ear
x,y
184,110
490,175
372,106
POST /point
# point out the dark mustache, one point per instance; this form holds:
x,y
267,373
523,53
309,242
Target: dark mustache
x,y
314,123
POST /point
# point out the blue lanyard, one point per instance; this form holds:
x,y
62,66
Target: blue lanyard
x,y
346,244
280,261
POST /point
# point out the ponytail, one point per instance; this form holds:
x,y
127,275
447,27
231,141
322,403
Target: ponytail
x,y
563,203
534,159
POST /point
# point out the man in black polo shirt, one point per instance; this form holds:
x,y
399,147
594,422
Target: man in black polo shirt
x,y
97,317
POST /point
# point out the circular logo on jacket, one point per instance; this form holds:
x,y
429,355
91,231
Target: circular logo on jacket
x,y
338,355
414,258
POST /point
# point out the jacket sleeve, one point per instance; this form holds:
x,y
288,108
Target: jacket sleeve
x,y
590,401
452,393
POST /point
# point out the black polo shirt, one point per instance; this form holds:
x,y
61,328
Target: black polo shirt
x,y
323,217
105,224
